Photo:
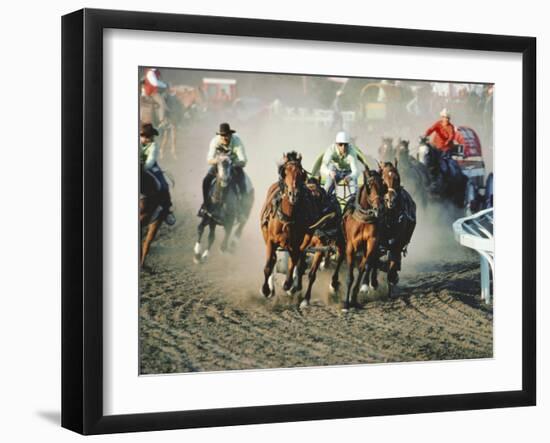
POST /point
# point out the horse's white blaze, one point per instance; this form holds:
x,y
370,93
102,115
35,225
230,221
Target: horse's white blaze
x,y
197,248
364,289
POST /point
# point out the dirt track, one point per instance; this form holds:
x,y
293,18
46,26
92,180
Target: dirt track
x,y
211,317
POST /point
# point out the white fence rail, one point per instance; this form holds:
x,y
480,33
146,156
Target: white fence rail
x,y
476,232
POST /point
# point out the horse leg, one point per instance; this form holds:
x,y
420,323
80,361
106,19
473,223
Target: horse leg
x,y
359,281
197,249
335,283
312,275
211,238
371,270
149,237
350,253
294,258
228,227
268,288
394,259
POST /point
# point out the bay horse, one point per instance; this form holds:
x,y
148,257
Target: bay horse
x,y
399,220
362,233
227,210
284,221
151,212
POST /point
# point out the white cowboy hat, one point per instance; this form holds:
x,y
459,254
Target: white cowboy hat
x,y
445,113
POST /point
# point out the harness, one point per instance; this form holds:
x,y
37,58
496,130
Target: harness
x,y
362,215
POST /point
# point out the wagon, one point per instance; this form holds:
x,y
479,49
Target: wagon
x,y
468,155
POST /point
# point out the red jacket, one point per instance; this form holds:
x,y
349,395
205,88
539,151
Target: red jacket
x,y
151,81
444,135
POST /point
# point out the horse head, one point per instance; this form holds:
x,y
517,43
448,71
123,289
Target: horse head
x,y
403,151
385,151
392,184
224,169
292,176
372,198
425,153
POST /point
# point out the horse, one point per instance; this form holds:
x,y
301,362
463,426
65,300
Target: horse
x,y
322,238
414,174
151,212
386,151
399,220
227,210
361,232
284,220
447,179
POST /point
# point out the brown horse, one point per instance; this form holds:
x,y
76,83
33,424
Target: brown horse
x,y
399,219
151,214
283,222
361,231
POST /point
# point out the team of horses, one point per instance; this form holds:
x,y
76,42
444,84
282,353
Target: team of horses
x,y
372,223
371,233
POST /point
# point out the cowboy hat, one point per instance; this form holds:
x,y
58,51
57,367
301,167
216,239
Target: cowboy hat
x,y
225,129
445,113
147,130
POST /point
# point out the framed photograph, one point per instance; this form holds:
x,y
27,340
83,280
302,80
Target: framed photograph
x,y
269,221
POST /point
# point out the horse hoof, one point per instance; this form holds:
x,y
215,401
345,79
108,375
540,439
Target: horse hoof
x,y
304,304
197,259
204,255
345,306
364,289
197,248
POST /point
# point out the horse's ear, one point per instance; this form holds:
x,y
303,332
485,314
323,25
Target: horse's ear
x,y
379,166
299,157
395,163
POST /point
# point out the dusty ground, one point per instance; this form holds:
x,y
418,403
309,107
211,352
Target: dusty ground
x,y
210,317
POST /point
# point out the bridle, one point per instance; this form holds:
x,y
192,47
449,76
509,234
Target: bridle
x,y
292,196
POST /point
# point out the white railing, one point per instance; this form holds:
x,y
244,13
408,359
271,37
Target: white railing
x,y
476,232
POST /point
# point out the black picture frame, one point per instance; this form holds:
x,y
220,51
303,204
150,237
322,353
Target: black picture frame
x,y
82,218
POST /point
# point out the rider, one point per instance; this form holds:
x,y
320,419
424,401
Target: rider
x,y
444,132
149,153
226,141
443,140
339,162
152,86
